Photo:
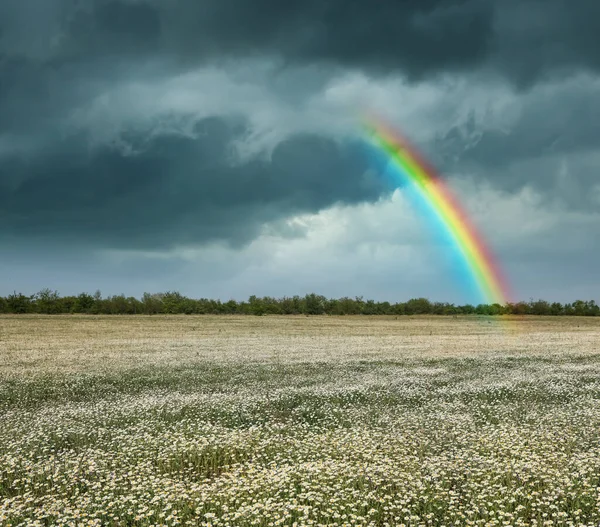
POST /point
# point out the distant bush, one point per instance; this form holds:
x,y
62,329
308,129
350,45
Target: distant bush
x,y
50,302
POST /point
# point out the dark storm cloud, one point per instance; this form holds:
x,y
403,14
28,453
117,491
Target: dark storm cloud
x,y
59,56
173,189
552,137
534,38
522,39
415,37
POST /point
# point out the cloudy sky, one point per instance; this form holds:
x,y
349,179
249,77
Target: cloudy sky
x,y
213,146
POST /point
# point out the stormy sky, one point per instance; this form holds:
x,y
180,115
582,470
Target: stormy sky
x,y
213,146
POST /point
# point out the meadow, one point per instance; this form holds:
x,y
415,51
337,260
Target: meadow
x,y
268,421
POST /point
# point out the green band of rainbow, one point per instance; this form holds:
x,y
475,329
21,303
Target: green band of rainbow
x,y
478,258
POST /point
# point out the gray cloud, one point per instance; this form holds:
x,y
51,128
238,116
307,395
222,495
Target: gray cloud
x,y
170,189
522,39
536,39
551,142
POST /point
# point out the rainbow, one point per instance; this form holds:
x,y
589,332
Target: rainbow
x,y
481,265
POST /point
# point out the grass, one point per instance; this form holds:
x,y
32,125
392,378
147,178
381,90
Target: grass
x,y
299,420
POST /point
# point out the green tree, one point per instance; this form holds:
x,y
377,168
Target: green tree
x,y
418,306
496,309
347,306
520,308
467,309
370,308
399,308
84,303
151,304
257,306
230,307
585,308
593,309
540,307
19,303
314,304
385,308
47,301
174,302
579,308
443,308
288,307
66,304
98,306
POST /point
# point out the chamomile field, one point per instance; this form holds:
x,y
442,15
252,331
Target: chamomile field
x,y
271,421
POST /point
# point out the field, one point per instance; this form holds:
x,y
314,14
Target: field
x,y
299,421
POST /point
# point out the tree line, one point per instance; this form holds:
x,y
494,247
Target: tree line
x,y
48,301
